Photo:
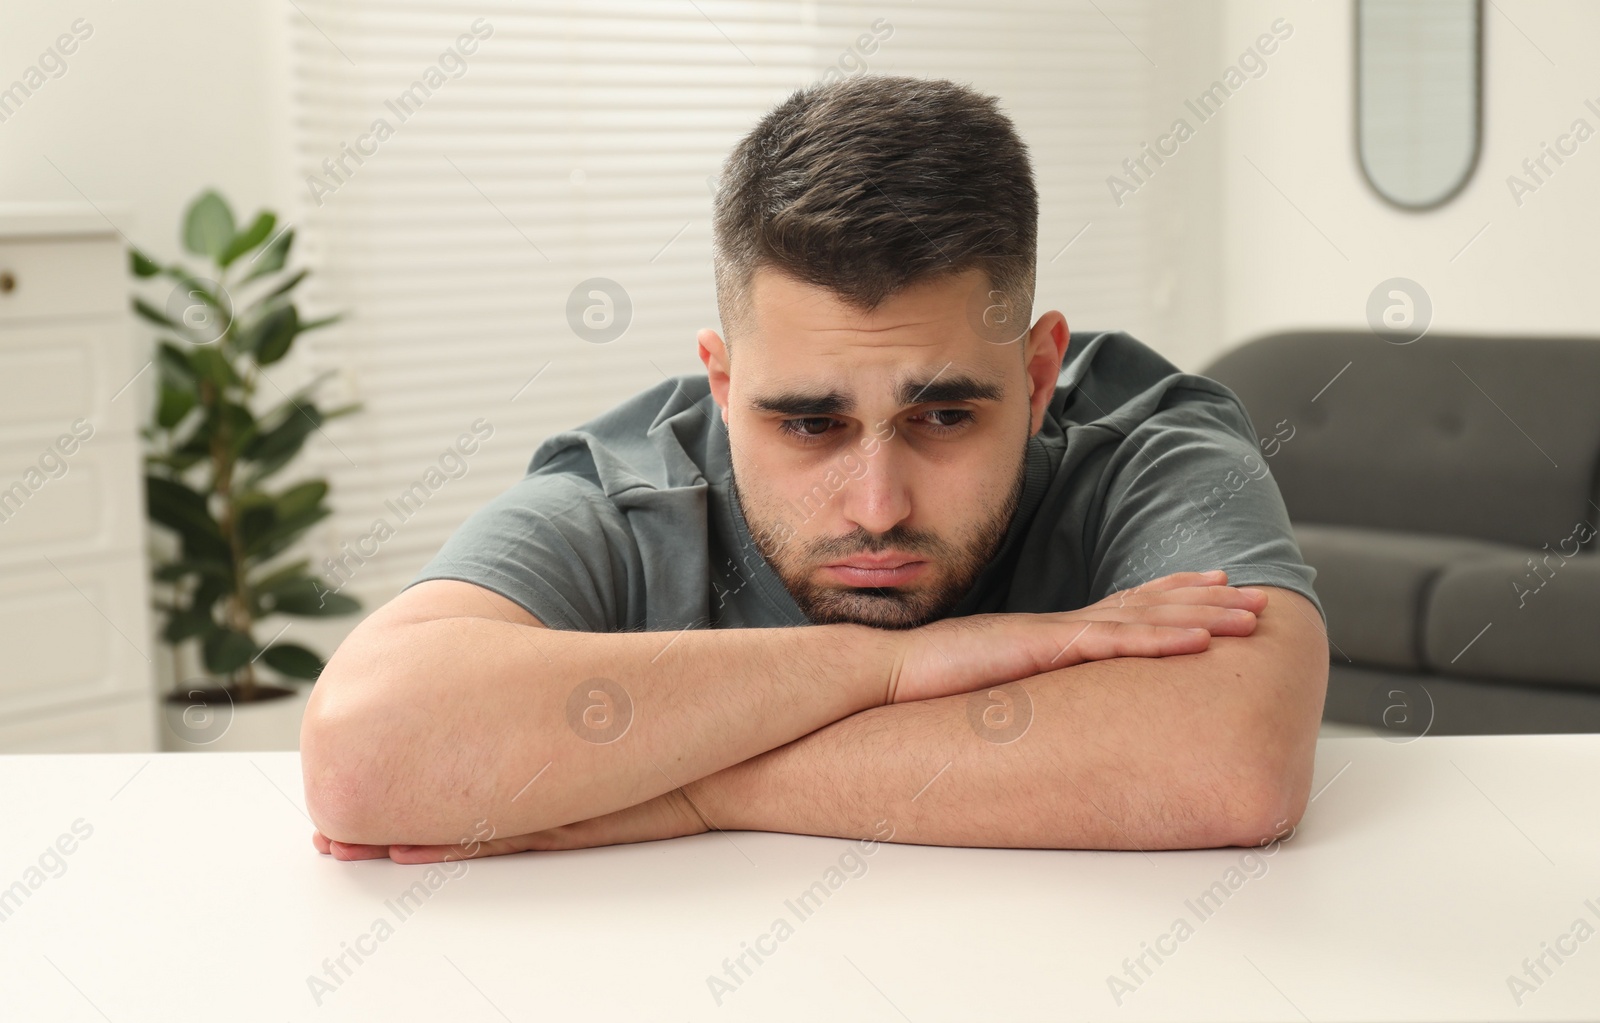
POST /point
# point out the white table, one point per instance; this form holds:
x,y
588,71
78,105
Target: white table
x,y
1422,877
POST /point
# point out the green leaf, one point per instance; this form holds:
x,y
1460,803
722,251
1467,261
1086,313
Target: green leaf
x,y
249,238
210,364
178,506
284,288
199,288
240,425
267,467
226,651
179,462
280,442
173,363
301,396
200,547
172,571
208,593
183,624
268,338
324,322
279,578
185,453
176,402
255,522
185,460
141,264
184,511
208,313
309,598
272,258
284,532
153,314
208,226
299,499
294,661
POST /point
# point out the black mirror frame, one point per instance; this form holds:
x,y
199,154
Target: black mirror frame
x,y
1477,118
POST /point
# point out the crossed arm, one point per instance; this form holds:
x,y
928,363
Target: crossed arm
x,y
1196,749
1186,751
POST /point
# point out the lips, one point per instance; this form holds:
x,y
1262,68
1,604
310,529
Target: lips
x,y
878,561
876,570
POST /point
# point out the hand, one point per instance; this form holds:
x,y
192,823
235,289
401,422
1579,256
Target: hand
x,y
670,815
1171,614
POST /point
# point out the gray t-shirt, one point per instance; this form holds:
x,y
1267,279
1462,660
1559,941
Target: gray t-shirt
x,y
628,522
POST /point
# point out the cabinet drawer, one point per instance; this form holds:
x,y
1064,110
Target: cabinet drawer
x,y
64,277
62,506
75,635
125,726
54,373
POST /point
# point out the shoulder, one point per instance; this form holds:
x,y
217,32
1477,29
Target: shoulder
x,y
659,438
1112,381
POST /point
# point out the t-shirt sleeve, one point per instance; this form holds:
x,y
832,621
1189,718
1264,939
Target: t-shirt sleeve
x,y
553,543
1190,491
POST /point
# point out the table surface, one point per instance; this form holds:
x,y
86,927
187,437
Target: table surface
x,y
1423,875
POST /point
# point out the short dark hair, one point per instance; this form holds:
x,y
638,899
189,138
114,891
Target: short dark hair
x,y
870,184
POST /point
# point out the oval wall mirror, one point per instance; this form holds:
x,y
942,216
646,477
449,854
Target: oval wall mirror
x,y
1419,97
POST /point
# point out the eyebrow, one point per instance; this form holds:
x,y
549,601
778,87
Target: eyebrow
x,y
907,392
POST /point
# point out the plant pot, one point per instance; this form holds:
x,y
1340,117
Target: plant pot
x,y
205,717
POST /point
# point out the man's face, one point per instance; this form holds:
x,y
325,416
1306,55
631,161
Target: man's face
x,y
878,457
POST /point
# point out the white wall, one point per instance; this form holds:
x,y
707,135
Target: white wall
x,y
1532,270
164,98
1185,218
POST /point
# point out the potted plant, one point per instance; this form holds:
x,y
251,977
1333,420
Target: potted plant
x,y
214,442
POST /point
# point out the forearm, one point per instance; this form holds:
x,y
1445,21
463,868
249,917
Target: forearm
x,y
419,729
1130,753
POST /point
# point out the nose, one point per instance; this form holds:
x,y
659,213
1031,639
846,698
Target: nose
x,y
880,498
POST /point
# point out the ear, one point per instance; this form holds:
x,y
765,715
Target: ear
x,y
1047,347
714,354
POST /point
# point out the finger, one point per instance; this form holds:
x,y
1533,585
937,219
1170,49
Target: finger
x,y
1167,582
1176,579
1219,621
1215,596
1164,583
423,853
320,840
470,851
349,851
1102,640
429,853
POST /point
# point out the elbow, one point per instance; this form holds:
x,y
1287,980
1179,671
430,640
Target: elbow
x,y
338,799
347,781
1277,812
374,757
1271,757
1261,806
339,793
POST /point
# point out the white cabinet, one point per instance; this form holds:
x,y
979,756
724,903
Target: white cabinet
x,y
75,637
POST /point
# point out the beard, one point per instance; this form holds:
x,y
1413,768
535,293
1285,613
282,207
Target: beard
x,y
956,564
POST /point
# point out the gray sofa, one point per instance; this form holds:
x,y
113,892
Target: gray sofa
x,y
1447,491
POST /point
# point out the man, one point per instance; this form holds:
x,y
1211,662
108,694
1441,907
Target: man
x,y
900,562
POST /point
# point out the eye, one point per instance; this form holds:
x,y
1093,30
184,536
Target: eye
x,y
961,418
806,430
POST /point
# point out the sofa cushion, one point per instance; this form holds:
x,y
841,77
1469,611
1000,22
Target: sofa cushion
x,y
1493,438
1497,617
1374,585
